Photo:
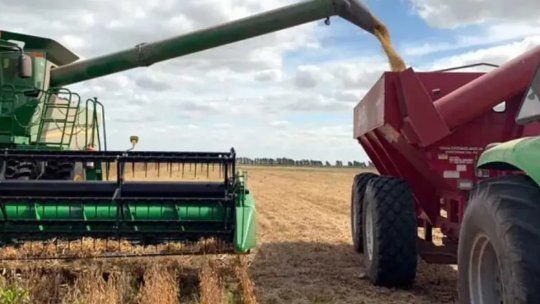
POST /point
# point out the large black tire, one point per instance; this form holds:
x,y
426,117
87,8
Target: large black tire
x,y
499,243
357,197
59,170
21,170
390,232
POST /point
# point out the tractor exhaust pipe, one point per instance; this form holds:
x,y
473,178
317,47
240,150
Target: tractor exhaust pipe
x,y
146,54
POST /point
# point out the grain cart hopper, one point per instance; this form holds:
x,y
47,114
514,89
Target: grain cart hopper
x,y
452,156
39,200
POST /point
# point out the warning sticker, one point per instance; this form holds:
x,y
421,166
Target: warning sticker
x,y
451,174
461,168
442,156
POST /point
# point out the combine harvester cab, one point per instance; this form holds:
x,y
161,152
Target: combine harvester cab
x,y
452,157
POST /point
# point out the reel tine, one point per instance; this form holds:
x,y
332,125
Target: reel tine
x,y
207,170
145,170
170,169
195,170
133,169
183,165
158,168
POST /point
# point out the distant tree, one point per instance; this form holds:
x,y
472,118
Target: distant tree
x,y
284,161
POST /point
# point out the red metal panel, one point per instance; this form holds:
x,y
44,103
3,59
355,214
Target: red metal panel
x,y
369,115
423,122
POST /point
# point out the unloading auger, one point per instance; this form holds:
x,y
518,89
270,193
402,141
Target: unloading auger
x,y
56,170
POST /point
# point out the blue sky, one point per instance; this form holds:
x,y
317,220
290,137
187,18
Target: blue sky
x,y
289,93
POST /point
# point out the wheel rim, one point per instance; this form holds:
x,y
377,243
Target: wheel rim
x,y
368,230
484,273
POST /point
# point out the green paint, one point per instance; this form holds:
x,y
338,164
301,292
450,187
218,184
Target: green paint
x,y
246,223
522,154
82,216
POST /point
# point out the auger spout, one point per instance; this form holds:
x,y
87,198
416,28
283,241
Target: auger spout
x,y
146,54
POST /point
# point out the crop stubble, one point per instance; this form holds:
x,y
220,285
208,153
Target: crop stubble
x,y
304,256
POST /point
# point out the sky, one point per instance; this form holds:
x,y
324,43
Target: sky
x,y
286,94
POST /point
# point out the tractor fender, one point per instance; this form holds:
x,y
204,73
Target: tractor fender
x,y
520,154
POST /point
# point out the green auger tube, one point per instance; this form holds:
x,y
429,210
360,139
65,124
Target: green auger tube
x,y
145,54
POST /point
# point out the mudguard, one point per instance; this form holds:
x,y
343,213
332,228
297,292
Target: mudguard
x,y
519,154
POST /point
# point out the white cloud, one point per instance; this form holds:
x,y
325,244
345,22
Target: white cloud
x,y
269,75
497,22
492,34
280,123
306,77
456,13
496,54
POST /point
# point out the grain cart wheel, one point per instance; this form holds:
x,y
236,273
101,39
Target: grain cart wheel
x,y
357,197
499,243
389,232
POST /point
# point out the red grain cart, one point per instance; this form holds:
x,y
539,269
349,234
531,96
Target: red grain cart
x,y
427,134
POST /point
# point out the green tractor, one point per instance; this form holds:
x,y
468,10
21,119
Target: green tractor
x,y
55,163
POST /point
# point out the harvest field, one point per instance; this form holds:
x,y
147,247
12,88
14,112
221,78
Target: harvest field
x,y
304,255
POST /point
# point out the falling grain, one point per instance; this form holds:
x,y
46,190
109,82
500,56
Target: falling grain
x,y
381,32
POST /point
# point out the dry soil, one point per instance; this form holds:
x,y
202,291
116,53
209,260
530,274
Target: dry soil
x,y
304,255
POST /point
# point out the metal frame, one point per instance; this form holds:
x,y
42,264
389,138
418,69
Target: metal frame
x,y
430,129
115,196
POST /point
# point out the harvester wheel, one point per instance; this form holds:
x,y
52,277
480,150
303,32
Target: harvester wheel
x,y
499,244
21,170
389,232
357,197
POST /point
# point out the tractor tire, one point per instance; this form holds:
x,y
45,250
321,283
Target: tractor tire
x,y
59,170
499,243
389,232
19,170
357,197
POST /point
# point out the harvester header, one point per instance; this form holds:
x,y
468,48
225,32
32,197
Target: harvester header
x,y
146,54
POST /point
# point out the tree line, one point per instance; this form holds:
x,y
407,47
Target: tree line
x,y
300,163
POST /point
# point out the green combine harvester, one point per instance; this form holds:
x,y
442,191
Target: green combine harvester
x,y
55,181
